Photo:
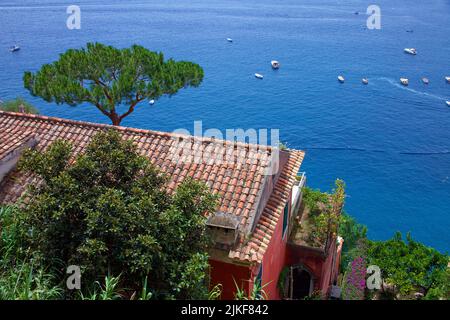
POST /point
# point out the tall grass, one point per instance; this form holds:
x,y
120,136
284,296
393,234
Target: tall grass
x,y
257,293
109,290
21,278
215,292
25,282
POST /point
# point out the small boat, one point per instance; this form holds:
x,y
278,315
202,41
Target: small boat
x,y
365,81
275,64
448,103
404,81
425,80
151,102
14,48
341,79
356,12
447,79
259,76
410,31
229,40
410,51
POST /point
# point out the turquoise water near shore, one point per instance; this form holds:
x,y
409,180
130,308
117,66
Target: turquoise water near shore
x,y
391,144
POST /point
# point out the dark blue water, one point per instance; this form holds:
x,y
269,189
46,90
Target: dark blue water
x,y
389,143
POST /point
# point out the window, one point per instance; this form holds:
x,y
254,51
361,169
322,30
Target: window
x,y
258,283
258,278
285,218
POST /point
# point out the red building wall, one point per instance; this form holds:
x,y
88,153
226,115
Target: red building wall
x,y
275,259
278,255
273,263
324,269
226,274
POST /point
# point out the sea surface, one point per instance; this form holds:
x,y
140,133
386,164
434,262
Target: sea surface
x,y
391,144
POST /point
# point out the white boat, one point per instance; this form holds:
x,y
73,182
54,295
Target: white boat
x,y
229,40
14,48
275,64
404,81
447,79
259,76
365,81
341,79
410,51
151,102
425,80
448,103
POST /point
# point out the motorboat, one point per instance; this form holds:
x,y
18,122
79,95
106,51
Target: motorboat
x,y
410,51
447,79
275,64
341,79
229,40
14,48
448,103
151,102
365,81
259,76
404,81
425,80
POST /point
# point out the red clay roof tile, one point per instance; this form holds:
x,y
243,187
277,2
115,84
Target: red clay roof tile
x,y
238,182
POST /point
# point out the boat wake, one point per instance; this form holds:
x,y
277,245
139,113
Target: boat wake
x,y
398,85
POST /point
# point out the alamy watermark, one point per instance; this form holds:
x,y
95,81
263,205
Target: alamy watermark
x,y
236,147
374,20
374,279
74,19
73,281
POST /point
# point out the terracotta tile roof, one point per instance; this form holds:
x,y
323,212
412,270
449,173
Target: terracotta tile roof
x,y
253,248
12,139
238,182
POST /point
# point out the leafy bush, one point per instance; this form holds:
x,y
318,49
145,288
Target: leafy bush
x,y
324,211
109,212
410,266
14,106
354,235
355,280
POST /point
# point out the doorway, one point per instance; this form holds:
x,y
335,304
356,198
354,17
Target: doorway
x,y
302,283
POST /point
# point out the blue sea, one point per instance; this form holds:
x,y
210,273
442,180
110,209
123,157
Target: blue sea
x,y
391,144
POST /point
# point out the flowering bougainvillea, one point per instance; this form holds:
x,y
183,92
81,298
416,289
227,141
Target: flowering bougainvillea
x,y
355,280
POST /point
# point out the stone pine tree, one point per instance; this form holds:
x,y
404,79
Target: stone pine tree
x,y
109,78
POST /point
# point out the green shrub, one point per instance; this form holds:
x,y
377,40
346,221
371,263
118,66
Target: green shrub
x,y
109,212
14,106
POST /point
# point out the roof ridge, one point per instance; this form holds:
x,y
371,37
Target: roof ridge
x,y
242,251
136,130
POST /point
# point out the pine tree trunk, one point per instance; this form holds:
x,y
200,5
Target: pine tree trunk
x,y
115,119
